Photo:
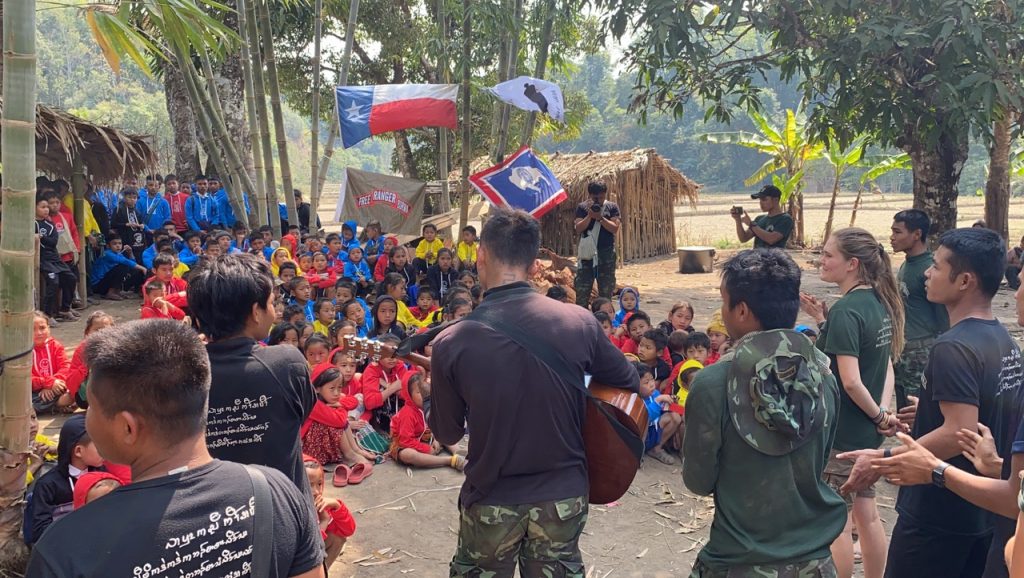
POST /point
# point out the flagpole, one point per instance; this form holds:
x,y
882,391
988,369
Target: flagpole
x,y
467,140
346,59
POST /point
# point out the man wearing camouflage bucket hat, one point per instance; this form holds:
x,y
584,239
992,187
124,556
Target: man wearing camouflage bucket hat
x,y
760,423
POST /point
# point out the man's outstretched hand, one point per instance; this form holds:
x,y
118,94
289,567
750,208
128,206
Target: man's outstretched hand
x,y
912,466
862,475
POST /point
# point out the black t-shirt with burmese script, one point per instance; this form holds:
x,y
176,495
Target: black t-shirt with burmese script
x,y
259,398
976,362
195,523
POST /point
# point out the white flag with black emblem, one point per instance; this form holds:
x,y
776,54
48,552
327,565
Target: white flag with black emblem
x,y
532,94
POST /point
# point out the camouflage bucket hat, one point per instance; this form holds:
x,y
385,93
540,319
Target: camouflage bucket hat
x,y
775,390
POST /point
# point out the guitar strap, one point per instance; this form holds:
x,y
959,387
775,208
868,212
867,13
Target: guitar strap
x,y
545,352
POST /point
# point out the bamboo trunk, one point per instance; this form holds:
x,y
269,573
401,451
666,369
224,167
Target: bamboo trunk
x,y
17,270
267,37
262,196
498,107
513,67
467,140
442,133
314,169
542,62
78,194
211,104
259,94
346,59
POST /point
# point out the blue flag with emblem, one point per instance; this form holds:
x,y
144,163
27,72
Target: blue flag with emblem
x,y
522,181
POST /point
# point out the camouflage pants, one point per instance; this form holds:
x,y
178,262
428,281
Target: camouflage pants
x,y
910,368
604,273
823,568
543,538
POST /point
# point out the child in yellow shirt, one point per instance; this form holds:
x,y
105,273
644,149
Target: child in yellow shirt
x,y
465,251
426,251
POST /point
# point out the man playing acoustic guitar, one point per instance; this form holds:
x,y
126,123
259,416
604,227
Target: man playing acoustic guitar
x,y
525,496
759,426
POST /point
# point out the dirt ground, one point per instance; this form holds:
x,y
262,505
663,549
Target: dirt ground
x,y
407,520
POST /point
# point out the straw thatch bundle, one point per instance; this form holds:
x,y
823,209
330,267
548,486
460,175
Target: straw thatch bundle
x,y
107,153
642,182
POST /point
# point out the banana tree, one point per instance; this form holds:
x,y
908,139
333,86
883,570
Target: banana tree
x,y
788,147
841,161
17,268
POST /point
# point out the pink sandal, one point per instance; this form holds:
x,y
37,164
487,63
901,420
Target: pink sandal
x,y
360,472
342,473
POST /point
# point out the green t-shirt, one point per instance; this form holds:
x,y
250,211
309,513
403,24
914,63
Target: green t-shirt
x,y
757,494
781,223
924,318
859,326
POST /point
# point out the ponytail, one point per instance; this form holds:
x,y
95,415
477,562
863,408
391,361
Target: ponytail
x,y
876,270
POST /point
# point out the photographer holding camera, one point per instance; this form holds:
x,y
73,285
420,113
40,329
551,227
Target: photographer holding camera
x,y
598,221
769,230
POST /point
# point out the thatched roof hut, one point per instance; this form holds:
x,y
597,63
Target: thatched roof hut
x,y
643,183
107,153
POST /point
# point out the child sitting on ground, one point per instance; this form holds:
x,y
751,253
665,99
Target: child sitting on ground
x,y
606,325
93,486
687,372
680,318
661,425
697,346
355,314
465,251
382,388
302,295
336,523
394,287
156,305
324,317
358,271
677,346
175,288
426,304
78,371
629,302
53,494
326,434
385,314
399,263
648,351
718,335
380,268
322,277
49,364
638,324
427,249
442,276
409,427
315,348
284,333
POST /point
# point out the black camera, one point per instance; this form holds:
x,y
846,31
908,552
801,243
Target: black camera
x,y
595,207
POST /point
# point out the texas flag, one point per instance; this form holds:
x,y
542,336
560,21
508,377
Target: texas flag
x,y
364,111
522,181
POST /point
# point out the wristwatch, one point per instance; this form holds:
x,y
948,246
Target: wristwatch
x,y
939,475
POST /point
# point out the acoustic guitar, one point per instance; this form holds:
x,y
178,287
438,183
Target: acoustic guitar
x,y
614,427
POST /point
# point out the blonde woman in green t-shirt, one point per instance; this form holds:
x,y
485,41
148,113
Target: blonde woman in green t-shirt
x,y
862,334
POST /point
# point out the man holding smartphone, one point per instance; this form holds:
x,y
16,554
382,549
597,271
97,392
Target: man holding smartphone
x,y
597,221
771,230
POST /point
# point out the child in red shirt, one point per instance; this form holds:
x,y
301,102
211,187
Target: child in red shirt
x,y
718,335
78,370
426,304
175,287
336,523
638,324
156,305
606,325
49,364
409,426
380,268
382,386
326,434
